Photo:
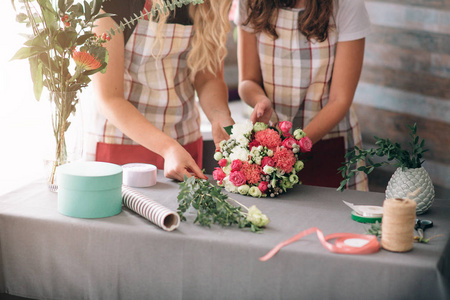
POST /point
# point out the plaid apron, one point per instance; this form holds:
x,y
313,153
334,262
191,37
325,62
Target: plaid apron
x,y
296,76
160,89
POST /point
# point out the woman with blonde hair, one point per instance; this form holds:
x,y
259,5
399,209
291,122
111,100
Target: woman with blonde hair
x,y
146,107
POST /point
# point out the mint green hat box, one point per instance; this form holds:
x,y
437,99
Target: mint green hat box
x,y
89,189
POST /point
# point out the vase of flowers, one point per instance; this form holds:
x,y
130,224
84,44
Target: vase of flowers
x,y
410,180
259,160
63,53
64,132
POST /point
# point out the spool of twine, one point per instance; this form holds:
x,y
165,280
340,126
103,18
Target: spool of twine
x,y
397,227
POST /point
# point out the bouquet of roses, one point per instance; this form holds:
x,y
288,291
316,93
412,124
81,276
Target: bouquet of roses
x,y
259,160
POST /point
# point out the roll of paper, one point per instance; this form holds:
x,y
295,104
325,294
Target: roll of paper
x,y
149,209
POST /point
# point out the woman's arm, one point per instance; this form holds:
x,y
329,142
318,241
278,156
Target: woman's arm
x,y
346,72
250,78
212,92
112,104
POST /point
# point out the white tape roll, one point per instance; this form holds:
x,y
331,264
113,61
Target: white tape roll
x,y
139,175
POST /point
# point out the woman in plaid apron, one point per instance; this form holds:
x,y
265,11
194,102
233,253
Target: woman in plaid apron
x,y
146,107
310,54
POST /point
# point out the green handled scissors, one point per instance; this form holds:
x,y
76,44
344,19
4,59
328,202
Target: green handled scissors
x,y
421,225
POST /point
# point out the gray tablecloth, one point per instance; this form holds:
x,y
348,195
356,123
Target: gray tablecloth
x,y
46,255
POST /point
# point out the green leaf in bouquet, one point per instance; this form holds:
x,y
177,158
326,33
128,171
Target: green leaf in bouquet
x,y
62,6
97,5
66,39
103,15
21,18
77,10
50,17
87,12
36,67
25,52
82,38
228,129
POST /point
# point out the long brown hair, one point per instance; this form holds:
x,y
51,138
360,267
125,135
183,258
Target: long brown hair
x,y
313,21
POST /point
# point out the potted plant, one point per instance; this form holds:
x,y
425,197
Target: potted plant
x,y
409,175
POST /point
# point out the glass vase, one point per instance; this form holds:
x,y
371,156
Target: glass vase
x,y
65,134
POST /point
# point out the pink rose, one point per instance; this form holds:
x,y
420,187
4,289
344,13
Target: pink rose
x,y
285,126
223,162
263,186
237,178
219,175
305,144
252,144
236,165
289,142
267,161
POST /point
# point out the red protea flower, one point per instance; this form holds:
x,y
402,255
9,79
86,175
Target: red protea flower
x,y
85,60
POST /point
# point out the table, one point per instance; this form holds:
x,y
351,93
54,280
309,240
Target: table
x,y
46,255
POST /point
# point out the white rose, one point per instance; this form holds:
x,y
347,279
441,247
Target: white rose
x,y
239,153
242,141
268,169
241,129
243,189
218,156
229,186
256,217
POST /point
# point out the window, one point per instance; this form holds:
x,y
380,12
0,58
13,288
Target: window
x,y
20,114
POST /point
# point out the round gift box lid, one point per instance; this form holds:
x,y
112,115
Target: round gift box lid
x,y
139,175
89,189
89,176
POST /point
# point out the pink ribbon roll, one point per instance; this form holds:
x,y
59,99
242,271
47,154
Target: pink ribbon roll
x,y
149,209
339,246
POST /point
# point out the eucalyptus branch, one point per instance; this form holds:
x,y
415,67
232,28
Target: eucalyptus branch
x,y
156,8
213,208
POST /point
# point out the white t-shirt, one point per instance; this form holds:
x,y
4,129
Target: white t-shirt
x,y
352,19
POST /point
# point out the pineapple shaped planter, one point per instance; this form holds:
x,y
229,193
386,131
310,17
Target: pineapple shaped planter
x,y
407,181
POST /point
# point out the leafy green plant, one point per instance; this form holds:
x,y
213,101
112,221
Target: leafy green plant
x,y
213,206
393,152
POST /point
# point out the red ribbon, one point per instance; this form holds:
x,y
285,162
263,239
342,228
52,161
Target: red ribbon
x,y
339,246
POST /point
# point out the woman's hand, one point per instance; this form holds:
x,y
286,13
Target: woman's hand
x,y
262,111
178,162
251,88
218,132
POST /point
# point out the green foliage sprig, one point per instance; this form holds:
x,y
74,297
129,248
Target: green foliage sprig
x,y
213,208
375,229
167,5
394,153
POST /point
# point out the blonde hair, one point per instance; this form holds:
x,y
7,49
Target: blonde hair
x,y
211,26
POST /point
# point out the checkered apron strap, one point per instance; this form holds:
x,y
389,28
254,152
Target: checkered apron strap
x,y
297,75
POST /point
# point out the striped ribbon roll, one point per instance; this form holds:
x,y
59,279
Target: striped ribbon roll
x,y
342,245
149,209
